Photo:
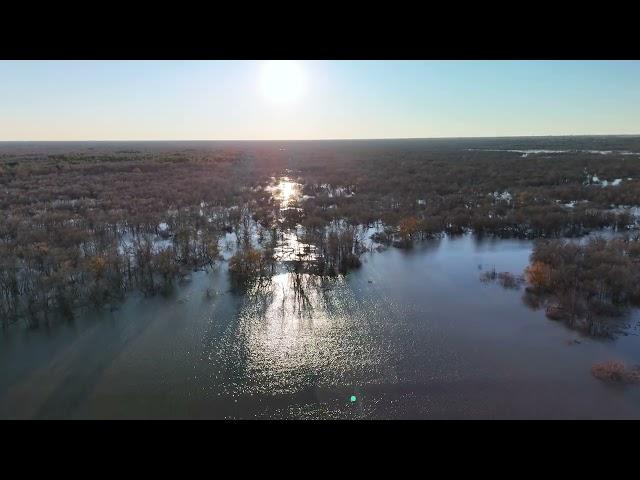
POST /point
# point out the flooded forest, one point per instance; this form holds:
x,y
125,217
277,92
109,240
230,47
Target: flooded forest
x,y
320,279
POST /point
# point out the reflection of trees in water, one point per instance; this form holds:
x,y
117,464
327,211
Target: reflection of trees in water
x,y
300,330
531,300
299,290
590,286
301,283
262,296
573,312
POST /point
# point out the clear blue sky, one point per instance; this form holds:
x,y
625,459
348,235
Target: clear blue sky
x,y
217,100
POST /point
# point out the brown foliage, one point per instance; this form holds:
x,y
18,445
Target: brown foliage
x,y
538,274
408,227
65,208
615,372
97,266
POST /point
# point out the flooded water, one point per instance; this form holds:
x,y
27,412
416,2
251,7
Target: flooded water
x,y
286,191
411,334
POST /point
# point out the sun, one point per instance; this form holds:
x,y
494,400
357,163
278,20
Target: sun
x,y
283,81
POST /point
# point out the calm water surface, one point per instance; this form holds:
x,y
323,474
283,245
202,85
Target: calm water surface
x,y
412,334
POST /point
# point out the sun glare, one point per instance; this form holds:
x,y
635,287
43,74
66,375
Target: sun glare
x,y
283,81
287,190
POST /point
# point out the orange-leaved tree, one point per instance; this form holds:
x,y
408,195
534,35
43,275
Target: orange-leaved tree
x,y
538,275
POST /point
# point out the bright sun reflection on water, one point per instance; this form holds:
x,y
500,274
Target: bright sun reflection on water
x,y
301,331
286,191
290,247
296,332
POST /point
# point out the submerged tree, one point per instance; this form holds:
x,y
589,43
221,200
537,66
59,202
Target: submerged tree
x,y
585,283
249,265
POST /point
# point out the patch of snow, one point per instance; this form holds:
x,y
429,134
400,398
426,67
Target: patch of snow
x,y
595,180
504,196
525,153
572,203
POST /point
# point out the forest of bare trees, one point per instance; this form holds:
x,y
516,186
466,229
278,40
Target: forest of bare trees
x,y
84,226
582,283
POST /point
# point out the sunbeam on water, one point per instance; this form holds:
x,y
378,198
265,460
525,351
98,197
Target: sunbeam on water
x,y
301,331
286,192
290,248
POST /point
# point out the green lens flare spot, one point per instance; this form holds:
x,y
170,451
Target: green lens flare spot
x,y
353,398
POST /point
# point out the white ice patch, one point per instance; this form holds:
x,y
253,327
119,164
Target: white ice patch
x,y
595,180
504,196
525,153
572,203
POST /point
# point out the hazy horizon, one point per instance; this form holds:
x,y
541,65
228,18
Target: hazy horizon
x,y
222,140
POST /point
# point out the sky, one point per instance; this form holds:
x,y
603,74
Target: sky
x,y
298,100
